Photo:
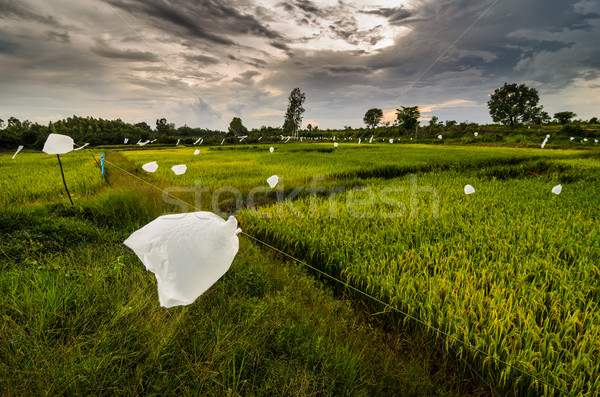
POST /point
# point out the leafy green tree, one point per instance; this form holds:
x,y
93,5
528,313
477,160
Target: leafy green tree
x,y
514,103
408,117
564,117
541,117
434,121
236,127
373,117
144,126
293,115
163,127
593,120
1,124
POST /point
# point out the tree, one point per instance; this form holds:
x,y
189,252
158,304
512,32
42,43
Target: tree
x,y
236,127
144,126
541,117
373,117
514,103
434,121
564,117
163,127
593,120
293,115
408,117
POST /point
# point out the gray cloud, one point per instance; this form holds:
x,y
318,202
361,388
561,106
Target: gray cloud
x,y
207,20
57,36
396,15
12,9
203,59
102,49
228,52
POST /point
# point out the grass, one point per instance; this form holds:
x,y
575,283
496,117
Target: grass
x,y
35,178
80,315
511,269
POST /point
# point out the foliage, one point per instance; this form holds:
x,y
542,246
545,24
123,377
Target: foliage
x,y
163,127
373,117
293,115
564,117
514,103
236,127
408,117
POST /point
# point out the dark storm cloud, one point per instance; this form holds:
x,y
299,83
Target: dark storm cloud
x,y
308,7
203,59
246,77
104,50
395,16
280,46
57,36
13,9
207,20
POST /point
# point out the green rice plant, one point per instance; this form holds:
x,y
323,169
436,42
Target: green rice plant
x,y
35,177
511,270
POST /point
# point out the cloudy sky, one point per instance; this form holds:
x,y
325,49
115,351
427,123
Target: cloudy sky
x,y
201,63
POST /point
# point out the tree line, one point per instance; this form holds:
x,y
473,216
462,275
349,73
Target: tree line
x,y
511,105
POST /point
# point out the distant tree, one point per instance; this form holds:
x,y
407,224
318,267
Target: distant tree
x,y
236,127
1,124
450,123
514,103
373,117
408,117
14,122
593,120
541,117
144,126
434,121
163,127
564,117
309,127
293,115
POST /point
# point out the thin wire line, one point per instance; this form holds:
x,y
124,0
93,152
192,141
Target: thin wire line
x,y
347,285
473,370
392,106
386,305
441,55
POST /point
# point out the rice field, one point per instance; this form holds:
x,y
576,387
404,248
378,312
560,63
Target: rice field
x,y
509,273
34,177
511,270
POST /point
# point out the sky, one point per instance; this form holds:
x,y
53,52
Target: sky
x,y
201,63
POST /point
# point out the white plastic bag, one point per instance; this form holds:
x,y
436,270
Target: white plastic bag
x,y
186,252
58,144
